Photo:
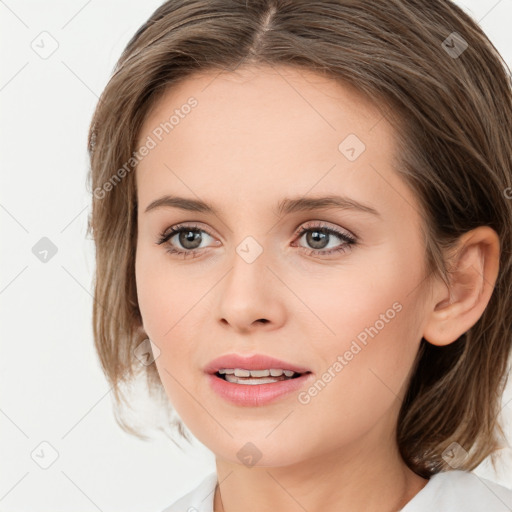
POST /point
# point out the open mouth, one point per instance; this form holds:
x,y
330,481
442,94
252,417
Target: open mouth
x,y
255,388
252,380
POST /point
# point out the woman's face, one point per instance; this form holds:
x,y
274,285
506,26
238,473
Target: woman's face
x,y
352,314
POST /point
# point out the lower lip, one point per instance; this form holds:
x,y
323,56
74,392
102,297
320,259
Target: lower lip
x,y
252,395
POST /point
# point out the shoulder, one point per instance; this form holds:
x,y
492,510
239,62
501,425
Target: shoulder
x,y
461,491
199,499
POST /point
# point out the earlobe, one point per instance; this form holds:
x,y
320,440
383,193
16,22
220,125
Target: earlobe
x,y
474,269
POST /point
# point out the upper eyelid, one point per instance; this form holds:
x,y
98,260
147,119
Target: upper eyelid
x,y
326,225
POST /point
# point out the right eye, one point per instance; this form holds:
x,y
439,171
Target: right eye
x,y
188,237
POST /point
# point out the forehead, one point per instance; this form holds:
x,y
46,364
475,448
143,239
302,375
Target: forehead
x,y
261,130
262,100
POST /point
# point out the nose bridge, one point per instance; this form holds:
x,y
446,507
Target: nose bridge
x,y
250,250
248,265
246,295
250,238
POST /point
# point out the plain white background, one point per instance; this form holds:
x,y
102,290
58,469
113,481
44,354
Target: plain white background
x,y
53,390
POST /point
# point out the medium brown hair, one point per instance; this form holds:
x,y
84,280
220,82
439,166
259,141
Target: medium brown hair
x,y
451,105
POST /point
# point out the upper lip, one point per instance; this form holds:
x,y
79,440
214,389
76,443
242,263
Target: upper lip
x,y
251,362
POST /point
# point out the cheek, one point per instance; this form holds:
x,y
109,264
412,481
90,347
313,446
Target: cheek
x,y
366,334
162,296
151,294
168,307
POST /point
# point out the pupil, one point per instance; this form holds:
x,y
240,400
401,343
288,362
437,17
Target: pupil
x,y
189,237
317,239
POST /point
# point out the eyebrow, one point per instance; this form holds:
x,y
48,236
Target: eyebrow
x,y
284,207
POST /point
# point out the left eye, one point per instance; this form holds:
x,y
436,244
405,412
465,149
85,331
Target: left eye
x,y
191,237
317,236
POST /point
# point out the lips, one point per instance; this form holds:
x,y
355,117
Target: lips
x,y
252,362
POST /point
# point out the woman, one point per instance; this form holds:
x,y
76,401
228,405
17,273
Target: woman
x,y
302,220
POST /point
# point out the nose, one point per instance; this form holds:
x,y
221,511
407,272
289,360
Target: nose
x,y
250,296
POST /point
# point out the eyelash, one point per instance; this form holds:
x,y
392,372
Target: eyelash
x,y
349,240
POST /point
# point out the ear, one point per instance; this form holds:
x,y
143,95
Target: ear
x,y
455,309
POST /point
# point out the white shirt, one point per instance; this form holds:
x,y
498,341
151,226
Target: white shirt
x,y
450,491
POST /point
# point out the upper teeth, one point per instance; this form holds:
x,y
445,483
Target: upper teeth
x,y
239,372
